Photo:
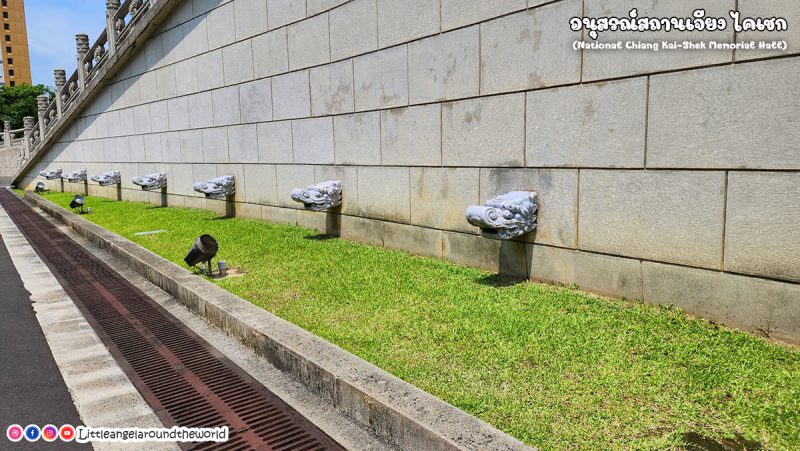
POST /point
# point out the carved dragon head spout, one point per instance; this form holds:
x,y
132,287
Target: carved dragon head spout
x,y
218,188
151,182
321,196
78,175
107,178
505,217
51,174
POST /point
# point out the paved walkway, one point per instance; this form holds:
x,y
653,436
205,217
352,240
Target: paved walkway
x,y
32,390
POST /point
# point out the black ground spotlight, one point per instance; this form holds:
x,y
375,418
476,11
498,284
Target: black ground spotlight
x,y
204,249
77,202
40,188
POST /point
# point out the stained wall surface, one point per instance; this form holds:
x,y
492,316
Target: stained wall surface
x,y
669,176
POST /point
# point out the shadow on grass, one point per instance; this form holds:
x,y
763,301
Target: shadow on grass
x,y
320,237
500,281
695,441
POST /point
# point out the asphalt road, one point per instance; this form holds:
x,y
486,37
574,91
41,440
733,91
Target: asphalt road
x,y
31,388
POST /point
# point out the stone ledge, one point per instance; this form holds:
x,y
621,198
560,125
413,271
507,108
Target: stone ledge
x,y
394,410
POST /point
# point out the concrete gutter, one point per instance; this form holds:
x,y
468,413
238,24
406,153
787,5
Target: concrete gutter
x,y
394,410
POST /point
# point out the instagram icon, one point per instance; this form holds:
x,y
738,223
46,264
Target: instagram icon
x,y
49,433
14,432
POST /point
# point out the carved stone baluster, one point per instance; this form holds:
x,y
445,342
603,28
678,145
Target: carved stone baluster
x,y
61,80
82,44
112,7
41,106
7,134
27,123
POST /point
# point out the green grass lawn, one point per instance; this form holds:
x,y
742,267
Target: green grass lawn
x,y
554,367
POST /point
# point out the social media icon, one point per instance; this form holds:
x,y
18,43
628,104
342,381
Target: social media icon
x,y
67,433
49,433
32,433
14,432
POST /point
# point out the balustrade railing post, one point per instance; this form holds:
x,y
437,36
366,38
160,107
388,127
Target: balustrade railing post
x,y
27,123
6,133
41,105
61,81
82,44
112,7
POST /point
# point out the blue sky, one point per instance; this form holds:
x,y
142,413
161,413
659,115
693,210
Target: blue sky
x,y
52,25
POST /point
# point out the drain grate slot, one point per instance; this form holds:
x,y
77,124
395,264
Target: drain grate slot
x,y
184,379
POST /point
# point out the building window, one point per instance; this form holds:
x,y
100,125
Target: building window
x,y
6,26
5,2
12,83
10,61
8,38
5,14
11,72
8,49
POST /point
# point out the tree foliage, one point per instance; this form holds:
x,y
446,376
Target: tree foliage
x,y
17,102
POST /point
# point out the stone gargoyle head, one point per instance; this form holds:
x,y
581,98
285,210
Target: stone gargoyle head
x,y
218,188
78,175
505,217
107,178
51,174
321,196
151,182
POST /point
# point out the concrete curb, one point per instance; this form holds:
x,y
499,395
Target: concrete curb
x,y
394,410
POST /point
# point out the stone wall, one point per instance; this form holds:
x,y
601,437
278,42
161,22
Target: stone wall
x,y
9,161
672,177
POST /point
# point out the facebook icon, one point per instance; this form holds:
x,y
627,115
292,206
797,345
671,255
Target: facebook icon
x,y
32,433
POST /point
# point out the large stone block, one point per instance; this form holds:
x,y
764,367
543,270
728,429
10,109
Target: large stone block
x,y
741,116
557,200
173,45
225,106
195,41
215,145
201,113
763,224
180,179
612,276
165,82
357,138
530,49
411,239
405,21
332,89
238,60
313,140
314,7
787,9
381,79
260,184
362,230
170,147
504,257
595,125
486,131
159,116
275,142
243,144
148,87
668,216
152,149
444,67
186,77
178,113
773,307
354,29
250,17
440,196
270,53
309,42
279,215
290,96
255,101
604,64
282,12
291,177
212,74
141,119
457,13
412,136
383,193
221,26
191,146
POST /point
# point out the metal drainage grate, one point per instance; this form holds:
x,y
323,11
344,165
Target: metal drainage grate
x,y
184,379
